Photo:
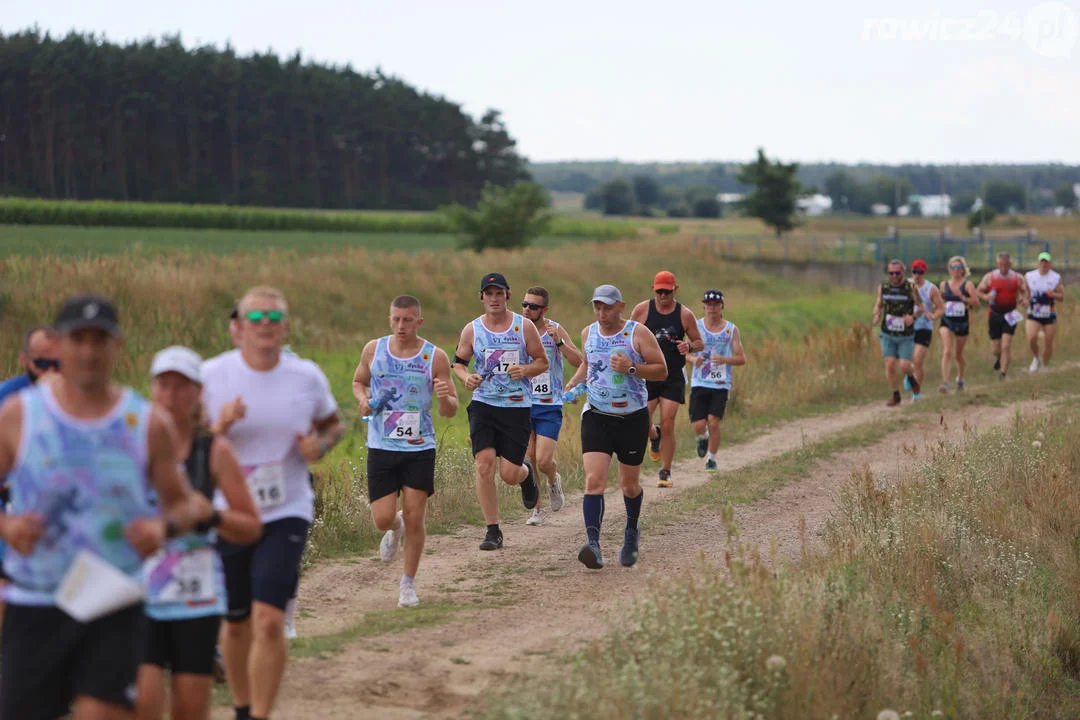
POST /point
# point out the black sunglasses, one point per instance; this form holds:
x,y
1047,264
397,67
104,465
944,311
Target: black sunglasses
x,y
44,364
918,272
893,272
532,306
664,292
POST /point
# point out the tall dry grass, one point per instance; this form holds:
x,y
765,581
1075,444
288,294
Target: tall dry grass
x,y
954,592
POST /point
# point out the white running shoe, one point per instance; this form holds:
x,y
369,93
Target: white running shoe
x,y
555,494
1035,365
392,539
539,515
290,615
407,597
290,631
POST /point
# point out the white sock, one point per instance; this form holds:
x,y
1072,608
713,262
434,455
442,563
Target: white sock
x,y
703,437
407,580
290,611
710,456
400,524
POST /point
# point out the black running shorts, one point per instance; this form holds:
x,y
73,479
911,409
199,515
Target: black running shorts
x,y
506,429
707,401
388,471
923,337
267,571
624,436
999,326
182,646
674,388
49,659
959,327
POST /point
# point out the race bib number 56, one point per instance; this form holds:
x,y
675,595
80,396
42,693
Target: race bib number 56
x,y
267,485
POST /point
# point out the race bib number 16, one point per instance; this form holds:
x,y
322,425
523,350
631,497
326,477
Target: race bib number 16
x,y
267,485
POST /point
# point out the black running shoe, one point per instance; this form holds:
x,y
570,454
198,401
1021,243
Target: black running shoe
x,y
654,446
997,363
492,541
530,491
629,553
590,556
702,446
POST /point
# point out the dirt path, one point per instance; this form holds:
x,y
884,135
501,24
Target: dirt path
x,y
534,598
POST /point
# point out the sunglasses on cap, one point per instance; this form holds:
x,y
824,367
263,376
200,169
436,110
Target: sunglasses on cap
x,y
46,364
257,316
664,292
532,306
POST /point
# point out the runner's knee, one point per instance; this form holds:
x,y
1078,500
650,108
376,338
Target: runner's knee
x,y
268,625
546,464
485,464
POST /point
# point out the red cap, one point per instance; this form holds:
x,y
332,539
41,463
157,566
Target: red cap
x,y
664,280
919,265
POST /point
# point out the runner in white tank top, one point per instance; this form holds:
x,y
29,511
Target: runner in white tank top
x,y
1046,290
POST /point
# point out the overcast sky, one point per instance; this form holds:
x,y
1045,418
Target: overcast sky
x,y
987,81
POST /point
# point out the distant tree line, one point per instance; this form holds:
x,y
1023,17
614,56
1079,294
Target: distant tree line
x,y
853,188
642,195
84,118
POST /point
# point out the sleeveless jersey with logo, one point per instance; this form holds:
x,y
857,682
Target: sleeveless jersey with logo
x,y
186,579
495,353
401,388
1007,287
956,310
668,330
88,478
922,320
1042,306
708,376
897,302
609,391
547,387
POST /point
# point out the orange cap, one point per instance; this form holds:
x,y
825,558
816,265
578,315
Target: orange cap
x,y
664,280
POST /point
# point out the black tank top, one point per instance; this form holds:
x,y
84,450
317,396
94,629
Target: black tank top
x,y
668,330
949,296
198,464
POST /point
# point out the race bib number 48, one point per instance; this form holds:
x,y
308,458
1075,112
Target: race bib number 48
x,y
402,426
541,384
267,485
895,323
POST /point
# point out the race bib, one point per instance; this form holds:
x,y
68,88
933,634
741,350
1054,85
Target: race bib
x,y
1012,317
402,426
1040,311
499,361
541,385
267,485
955,308
716,374
895,323
186,577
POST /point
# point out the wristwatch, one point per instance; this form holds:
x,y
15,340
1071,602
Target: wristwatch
x,y
632,370
560,343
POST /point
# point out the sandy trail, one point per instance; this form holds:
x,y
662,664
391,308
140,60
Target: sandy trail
x,y
534,598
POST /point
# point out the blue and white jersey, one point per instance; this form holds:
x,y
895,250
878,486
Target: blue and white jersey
x,y
707,375
88,478
401,389
609,391
922,320
495,353
547,387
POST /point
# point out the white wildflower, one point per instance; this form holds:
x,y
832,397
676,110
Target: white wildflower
x,y
888,715
1036,444
775,663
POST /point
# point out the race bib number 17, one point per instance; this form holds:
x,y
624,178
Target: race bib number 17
x,y
499,361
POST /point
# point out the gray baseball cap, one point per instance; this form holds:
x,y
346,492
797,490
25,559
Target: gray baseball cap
x,y
607,294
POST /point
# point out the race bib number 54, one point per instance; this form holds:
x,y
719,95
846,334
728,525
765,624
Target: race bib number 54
x,y
267,485
402,426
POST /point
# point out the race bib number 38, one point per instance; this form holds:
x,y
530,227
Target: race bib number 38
x,y
183,577
267,485
402,426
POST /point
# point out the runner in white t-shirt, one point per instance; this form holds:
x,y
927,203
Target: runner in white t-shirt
x,y
1045,290
278,412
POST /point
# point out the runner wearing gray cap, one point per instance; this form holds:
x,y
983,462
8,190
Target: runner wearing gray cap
x,y
620,355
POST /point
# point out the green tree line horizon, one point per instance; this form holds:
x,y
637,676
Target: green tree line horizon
x,y
84,118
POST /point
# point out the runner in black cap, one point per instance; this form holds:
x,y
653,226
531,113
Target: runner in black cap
x,y
508,354
710,380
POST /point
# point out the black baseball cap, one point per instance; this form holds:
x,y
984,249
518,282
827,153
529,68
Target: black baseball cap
x,y
713,295
494,280
82,312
